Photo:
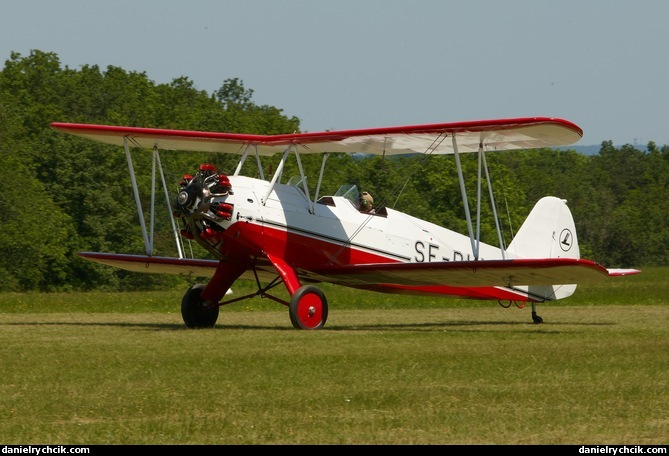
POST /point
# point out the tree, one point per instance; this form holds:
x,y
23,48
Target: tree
x,y
35,235
68,194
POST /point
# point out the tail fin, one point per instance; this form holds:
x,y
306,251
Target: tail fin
x,y
548,232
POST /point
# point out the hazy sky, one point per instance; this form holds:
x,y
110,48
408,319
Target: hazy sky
x,y
345,64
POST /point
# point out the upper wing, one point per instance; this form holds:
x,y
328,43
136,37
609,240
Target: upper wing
x,y
482,273
498,134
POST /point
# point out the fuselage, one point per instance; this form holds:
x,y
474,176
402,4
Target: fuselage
x,y
331,232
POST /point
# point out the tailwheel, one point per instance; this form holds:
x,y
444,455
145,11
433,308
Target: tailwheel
x,y
536,318
308,308
194,311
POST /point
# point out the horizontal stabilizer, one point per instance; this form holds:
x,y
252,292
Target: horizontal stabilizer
x,y
622,272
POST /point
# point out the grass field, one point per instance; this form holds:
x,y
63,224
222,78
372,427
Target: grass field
x,y
121,368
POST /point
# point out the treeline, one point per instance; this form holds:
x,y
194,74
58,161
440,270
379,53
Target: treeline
x,y
64,194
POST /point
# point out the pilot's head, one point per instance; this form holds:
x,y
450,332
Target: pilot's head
x,y
366,202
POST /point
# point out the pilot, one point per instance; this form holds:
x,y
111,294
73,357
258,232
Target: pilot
x,y
366,202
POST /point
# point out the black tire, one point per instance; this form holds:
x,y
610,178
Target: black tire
x,y
308,308
193,311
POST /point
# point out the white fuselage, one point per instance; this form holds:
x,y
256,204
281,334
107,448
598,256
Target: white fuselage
x,y
336,232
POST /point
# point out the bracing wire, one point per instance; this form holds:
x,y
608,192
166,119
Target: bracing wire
x,y
428,151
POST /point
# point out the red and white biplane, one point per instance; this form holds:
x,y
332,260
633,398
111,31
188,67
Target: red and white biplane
x,y
272,231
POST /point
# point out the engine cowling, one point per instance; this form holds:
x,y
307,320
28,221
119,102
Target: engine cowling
x,y
199,203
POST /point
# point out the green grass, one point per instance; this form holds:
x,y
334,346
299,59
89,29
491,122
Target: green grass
x,y
120,368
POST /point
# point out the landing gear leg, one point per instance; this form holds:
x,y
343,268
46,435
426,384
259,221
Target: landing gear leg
x,y
308,308
536,318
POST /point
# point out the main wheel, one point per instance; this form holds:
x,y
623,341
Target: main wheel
x,y
193,310
308,308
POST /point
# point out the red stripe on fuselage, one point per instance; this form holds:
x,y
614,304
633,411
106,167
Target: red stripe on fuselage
x,y
483,293
300,251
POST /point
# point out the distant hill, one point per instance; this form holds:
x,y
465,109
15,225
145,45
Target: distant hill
x,y
585,150
594,149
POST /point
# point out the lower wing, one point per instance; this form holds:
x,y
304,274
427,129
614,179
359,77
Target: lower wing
x,y
482,273
154,264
